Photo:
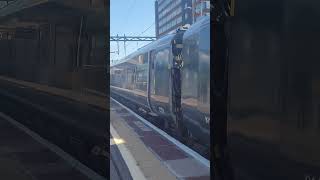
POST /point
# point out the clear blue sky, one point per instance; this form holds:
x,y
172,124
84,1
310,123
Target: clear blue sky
x,y
131,17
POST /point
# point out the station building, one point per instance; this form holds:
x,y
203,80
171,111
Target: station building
x,y
200,8
170,14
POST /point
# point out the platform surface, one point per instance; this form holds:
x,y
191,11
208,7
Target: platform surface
x,y
155,156
98,99
23,158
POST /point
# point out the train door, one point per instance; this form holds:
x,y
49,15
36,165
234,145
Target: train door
x,y
159,81
203,94
150,80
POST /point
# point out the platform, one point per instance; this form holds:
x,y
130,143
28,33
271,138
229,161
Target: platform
x,y
96,99
147,153
61,120
24,157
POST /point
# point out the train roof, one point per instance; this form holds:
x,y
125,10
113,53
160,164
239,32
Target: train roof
x,y
165,40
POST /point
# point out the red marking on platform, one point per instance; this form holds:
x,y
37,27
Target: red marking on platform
x,y
199,178
145,133
162,147
154,140
139,131
168,153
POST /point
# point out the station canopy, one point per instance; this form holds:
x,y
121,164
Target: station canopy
x,y
32,13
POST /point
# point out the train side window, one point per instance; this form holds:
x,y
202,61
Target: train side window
x,y
145,57
141,73
153,55
141,59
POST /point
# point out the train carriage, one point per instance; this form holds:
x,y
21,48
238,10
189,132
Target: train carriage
x,y
149,81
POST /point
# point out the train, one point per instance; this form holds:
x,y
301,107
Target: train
x,y
169,79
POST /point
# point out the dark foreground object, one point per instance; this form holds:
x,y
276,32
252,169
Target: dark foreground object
x,y
23,158
273,123
61,121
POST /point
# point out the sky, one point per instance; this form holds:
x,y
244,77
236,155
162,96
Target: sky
x,y
132,18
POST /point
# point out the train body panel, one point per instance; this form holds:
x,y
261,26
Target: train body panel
x,y
160,80
195,80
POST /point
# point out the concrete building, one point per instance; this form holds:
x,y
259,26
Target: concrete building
x,y
170,14
200,8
